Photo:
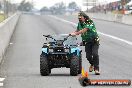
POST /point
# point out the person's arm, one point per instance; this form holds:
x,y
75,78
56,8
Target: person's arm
x,y
77,32
80,32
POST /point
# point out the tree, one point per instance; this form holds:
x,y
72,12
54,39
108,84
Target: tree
x,y
125,1
44,9
128,1
58,8
25,6
73,5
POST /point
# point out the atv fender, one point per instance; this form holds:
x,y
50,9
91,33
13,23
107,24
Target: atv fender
x,y
76,50
45,50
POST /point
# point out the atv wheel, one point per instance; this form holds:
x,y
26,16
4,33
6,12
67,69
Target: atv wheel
x,y
74,66
44,68
80,64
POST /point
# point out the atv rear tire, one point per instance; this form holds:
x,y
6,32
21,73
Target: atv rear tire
x,y
74,65
44,68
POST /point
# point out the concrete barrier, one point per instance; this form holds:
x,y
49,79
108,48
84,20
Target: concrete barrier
x,y
125,19
6,30
101,16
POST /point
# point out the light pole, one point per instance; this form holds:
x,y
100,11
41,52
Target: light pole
x,y
5,9
32,4
86,5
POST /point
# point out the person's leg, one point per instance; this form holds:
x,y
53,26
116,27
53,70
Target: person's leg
x,y
88,50
95,48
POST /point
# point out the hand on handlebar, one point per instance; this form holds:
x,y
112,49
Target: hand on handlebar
x,y
81,44
73,34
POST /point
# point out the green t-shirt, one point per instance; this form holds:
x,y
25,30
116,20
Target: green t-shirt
x,y
91,33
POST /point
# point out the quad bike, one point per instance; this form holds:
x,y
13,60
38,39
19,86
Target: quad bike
x,y
60,51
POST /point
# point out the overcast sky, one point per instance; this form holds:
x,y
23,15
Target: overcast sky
x,y
40,3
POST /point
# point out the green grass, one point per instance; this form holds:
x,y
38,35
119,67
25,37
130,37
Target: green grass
x,y
2,17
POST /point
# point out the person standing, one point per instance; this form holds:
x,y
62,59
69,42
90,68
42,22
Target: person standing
x,y
90,40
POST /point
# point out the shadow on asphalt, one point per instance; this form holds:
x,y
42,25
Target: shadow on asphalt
x,y
59,74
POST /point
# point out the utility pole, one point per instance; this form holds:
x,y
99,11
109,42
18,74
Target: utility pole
x,y
94,5
32,4
87,5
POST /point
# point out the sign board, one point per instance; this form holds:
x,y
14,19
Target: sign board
x,y
89,2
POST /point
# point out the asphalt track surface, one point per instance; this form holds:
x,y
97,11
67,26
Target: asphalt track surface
x,y
20,67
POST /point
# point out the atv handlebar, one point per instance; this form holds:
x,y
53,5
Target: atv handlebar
x,y
49,36
46,35
67,37
60,41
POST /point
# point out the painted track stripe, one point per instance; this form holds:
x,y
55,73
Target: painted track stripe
x,y
1,84
116,38
107,35
2,79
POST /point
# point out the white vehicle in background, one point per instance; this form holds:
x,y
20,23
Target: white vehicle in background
x,y
128,10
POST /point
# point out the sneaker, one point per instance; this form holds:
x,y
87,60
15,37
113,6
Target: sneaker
x,y
91,68
97,72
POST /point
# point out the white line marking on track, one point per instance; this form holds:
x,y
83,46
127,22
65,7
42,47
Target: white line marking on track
x,y
1,84
107,35
11,43
2,79
116,38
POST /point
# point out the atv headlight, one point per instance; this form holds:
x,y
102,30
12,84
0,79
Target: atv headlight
x,y
50,50
66,50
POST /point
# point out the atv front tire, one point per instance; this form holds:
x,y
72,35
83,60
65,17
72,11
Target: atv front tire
x,y
74,65
80,64
44,68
